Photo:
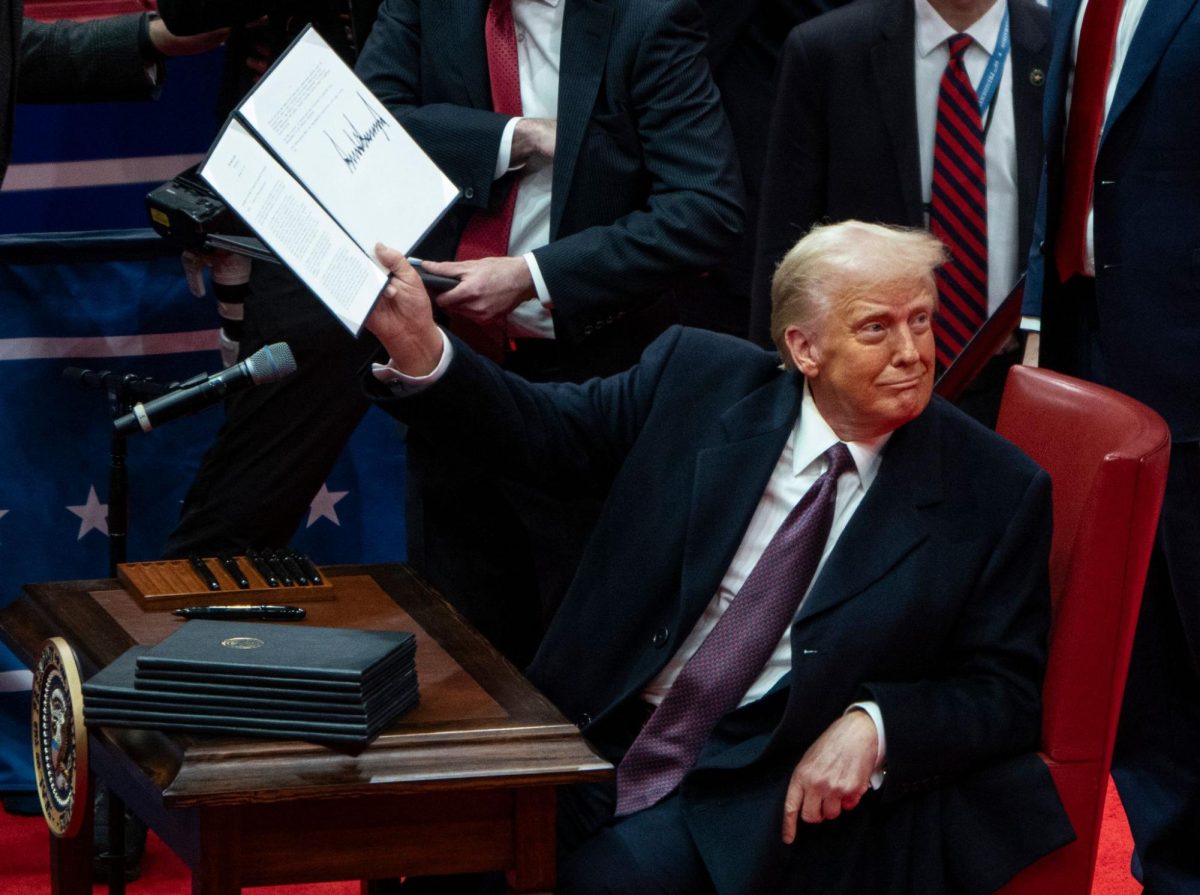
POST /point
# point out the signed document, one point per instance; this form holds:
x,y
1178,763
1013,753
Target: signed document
x,y
321,171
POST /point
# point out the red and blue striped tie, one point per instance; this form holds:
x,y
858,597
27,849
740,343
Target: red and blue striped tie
x,y
958,207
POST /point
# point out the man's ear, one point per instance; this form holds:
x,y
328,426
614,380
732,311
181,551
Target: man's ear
x,y
805,353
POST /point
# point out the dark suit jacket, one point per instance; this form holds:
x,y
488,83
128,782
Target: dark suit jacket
x,y
65,62
1147,214
843,138
934,603
645,187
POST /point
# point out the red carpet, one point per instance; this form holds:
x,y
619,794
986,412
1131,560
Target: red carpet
x,y
24,868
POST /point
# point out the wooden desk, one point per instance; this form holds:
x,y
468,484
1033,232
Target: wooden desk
x,y
463,783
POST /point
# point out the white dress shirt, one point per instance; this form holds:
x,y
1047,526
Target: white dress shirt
x,y
1131,15
1000,142
539,43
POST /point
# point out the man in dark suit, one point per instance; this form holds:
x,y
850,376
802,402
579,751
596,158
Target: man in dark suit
x,y
1120,260
885,743
626,181
854,124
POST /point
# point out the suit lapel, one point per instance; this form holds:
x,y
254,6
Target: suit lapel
x,y
888,523
586,27
472,61
892,68
1159,23
729,482
1028,51
1054,113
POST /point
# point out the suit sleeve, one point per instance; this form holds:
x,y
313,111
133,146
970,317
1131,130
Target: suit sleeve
x,y
554,435
986,703
464,141
97,61
794,179
692,218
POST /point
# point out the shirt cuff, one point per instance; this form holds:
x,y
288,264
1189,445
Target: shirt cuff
x,y
1031,324
873,712
539,282
504,157
403,385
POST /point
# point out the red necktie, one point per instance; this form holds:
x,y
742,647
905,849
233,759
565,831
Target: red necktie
x,y
1093,63
486,233
958,207
733,655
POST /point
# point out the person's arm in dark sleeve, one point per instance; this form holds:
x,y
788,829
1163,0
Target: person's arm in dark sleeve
x,y
465,142
104,60
97,61
987,702
693,218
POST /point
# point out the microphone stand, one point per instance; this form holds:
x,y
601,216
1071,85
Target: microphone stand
x,y
123,390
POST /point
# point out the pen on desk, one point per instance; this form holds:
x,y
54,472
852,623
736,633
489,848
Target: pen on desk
x,y
261,613
309,569
231,566
262,568
204,572
293,568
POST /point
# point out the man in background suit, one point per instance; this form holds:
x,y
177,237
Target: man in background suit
x,y
918,648
853,134
626,182
1122,307
745,38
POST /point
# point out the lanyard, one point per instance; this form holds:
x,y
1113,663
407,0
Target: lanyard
x,y
986,91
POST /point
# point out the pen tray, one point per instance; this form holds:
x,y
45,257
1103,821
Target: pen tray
x,y
173,584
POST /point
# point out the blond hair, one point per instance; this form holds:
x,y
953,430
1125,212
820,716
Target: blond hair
x,y
848,259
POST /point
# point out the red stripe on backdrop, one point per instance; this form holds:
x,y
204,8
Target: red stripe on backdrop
x,y
24,862
49,10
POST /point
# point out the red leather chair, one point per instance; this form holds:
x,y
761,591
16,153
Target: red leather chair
x,y
1107,457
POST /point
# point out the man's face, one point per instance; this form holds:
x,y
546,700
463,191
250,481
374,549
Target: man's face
x,y
869,362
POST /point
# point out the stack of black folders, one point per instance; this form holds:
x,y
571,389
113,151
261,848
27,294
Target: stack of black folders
x,y
333,685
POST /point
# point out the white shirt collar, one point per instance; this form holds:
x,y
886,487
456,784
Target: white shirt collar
x,y
812,437
932,30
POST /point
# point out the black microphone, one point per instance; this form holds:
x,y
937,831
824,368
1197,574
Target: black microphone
x,y
269,364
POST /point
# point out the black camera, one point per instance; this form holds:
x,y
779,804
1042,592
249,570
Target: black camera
x,y
185,212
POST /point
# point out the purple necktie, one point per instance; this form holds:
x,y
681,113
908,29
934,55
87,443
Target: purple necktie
x,y
733,655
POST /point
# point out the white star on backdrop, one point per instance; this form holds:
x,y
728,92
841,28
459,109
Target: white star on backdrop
x,y
92,514
322,506
3,513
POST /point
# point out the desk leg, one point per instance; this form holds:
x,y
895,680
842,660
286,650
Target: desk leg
x,y
71,859
218,870
535,845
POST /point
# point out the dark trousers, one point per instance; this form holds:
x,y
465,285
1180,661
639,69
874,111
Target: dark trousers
x,y
1156,761
280,440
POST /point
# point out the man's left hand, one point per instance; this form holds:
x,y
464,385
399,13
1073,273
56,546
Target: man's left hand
x,y
169,44
834,773
488,288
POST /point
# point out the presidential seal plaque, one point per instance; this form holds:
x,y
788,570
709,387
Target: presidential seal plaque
x,y
60,757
